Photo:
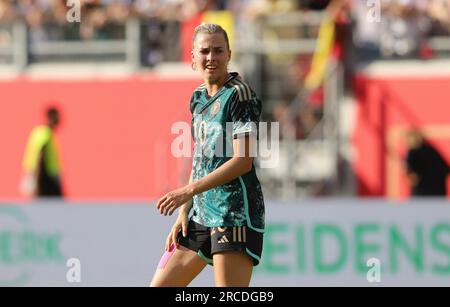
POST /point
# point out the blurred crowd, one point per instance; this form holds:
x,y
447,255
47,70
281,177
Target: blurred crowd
x,y
405,22
405,27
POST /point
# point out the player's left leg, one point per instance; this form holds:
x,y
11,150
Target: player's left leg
x,y
232,269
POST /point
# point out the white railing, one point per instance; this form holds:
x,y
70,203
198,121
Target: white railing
x,y
20,50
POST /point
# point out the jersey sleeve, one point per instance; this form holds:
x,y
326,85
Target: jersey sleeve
x,y
245,111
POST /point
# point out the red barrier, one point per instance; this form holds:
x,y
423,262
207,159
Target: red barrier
x,y
387,107
115,135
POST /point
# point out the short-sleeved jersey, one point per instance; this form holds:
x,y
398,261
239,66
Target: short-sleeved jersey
x,y
233,112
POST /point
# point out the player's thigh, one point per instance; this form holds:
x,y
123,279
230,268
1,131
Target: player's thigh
x,y
232,269
181,268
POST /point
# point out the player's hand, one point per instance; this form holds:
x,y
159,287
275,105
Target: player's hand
x,y
180,223
28,185
172,200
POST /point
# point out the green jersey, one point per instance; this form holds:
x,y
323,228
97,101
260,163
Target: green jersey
x,y
233,112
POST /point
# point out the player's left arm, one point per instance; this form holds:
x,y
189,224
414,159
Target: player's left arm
x,y
240,164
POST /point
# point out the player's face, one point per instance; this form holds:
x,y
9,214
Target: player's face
x,y
211,56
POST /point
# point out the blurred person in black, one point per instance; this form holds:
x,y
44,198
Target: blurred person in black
x,y
41,162
427,170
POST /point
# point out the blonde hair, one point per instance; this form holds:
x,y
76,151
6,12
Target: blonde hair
x,y
210,28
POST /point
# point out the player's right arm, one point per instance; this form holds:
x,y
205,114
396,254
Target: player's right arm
x,y
180,223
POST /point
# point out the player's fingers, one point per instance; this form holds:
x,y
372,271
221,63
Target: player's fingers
x,y
163,206
176,228
169,237
168,207
160,201
172,209
167,202
184,228
174,237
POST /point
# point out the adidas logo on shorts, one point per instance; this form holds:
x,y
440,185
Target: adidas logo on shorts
x,y
224,239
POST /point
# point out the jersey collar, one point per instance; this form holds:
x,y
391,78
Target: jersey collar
x,y
232,76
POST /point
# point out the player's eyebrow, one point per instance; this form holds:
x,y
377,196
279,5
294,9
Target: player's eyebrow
x,y
208,48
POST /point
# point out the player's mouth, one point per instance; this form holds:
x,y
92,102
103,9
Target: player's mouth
x,y
211,68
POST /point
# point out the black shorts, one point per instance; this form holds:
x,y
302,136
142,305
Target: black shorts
x,y
207,241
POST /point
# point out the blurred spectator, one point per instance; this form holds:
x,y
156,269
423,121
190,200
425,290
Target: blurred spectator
x,y
37,32
41,163
403,30
289,128
313,4
439,12
7,11
258,8
118,11
151,14
94,28
427,170
309,117
366,35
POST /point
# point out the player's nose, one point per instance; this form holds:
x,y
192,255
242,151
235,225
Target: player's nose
x,y
211,57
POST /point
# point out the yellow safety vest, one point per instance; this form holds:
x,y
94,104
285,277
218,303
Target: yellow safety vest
x,y
41,138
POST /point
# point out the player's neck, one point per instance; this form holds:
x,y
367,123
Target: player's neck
x,y
213,87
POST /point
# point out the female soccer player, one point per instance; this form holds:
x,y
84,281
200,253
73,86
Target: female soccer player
x,y
227,224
